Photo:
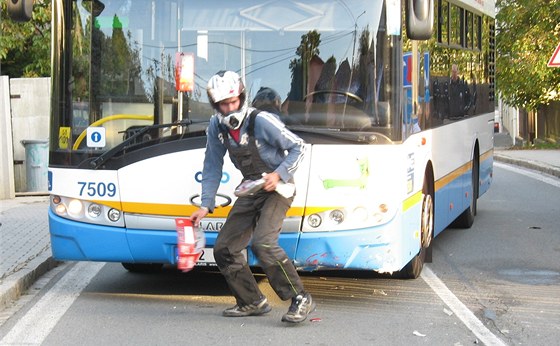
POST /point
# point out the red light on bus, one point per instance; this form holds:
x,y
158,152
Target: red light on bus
x,y
184,72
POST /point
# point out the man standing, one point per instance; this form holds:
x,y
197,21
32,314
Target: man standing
x,y
456,94
261,147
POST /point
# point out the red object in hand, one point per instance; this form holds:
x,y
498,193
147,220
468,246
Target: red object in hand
x,y
190,242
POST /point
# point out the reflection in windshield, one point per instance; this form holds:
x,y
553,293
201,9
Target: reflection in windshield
x,y
329,62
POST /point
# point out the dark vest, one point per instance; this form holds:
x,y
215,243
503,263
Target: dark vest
x,y
246,157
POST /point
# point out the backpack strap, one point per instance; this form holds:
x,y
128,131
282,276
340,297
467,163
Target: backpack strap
x,y
251,127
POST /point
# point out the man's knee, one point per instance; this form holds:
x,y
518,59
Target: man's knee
x,y
266,254
227,261
222,256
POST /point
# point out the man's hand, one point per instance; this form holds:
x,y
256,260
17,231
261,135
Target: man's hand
x,y
270,181
198,215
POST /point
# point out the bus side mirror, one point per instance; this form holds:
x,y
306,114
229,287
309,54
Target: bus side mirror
x,y
419,19
20,10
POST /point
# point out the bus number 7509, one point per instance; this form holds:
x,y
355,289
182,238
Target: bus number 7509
x,y
93,189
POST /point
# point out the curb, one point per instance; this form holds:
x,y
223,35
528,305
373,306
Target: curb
x,y
551,170
12,287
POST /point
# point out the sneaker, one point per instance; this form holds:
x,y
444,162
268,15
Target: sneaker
x,y
302,305
255,309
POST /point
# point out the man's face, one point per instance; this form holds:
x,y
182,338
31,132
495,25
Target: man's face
x,y
229,105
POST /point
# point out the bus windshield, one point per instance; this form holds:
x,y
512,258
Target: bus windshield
x,y
333,64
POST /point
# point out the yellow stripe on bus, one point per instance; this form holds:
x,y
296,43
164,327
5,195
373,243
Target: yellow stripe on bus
x,y
412,201
186,210
448,179
460,171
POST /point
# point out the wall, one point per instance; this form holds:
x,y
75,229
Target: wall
x,y
508,118
7,189
29,100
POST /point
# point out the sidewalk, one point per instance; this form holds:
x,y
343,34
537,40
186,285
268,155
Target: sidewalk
x,y
25,252
546,161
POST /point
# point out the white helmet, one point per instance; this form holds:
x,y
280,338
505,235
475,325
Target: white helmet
x,y
223,85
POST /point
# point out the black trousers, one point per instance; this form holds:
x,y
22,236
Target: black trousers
x,y
257,219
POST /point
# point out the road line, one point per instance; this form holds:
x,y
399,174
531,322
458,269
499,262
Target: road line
x,y
462,312
543,177
40,320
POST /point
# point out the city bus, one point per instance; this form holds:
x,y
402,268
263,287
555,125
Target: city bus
x,y
394,99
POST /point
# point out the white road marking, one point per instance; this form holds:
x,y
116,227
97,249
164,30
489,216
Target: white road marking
x,y
31,293
461,311
39,321
543,177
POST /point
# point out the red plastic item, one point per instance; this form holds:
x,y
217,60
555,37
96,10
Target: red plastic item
x,y
190,242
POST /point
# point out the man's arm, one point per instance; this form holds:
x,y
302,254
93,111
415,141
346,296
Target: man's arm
x,y
212,168
276,133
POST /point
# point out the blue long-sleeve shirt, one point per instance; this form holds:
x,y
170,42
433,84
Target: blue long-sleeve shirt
x,y
278,147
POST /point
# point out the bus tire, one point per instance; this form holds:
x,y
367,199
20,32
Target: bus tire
x,y
142,267
413,268
466,219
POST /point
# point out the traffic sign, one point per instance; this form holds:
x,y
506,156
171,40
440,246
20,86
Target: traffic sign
x,y
96,137
555,59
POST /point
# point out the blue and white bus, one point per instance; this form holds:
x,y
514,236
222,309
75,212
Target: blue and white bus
x,y
395,100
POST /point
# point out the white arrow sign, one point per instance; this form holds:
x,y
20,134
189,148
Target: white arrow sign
x,y
555,59
96,137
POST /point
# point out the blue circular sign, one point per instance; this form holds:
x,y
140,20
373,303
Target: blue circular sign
x,y
95,136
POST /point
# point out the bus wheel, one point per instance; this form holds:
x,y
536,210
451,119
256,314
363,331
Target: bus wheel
x,y
413,268
466,219
427,220
142,267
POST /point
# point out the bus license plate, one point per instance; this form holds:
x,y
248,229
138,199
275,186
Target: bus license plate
x,y
207,257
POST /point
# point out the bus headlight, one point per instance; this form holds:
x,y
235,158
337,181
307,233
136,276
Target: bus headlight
x,y
56,199
114,215
353,217
60,209
314,220
337,216
360,214
75,208
86,211
381,213
94,210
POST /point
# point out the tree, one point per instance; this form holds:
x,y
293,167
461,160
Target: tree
x,y
307,49
528,31
25,47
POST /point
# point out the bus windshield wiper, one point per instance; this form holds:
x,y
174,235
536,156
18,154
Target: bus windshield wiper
x,y
368,137
101,159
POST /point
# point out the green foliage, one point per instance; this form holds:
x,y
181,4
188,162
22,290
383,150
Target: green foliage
x,y
308,48
25,47
528,31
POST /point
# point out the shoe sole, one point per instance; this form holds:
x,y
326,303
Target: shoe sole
x,y
266,310
311,310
